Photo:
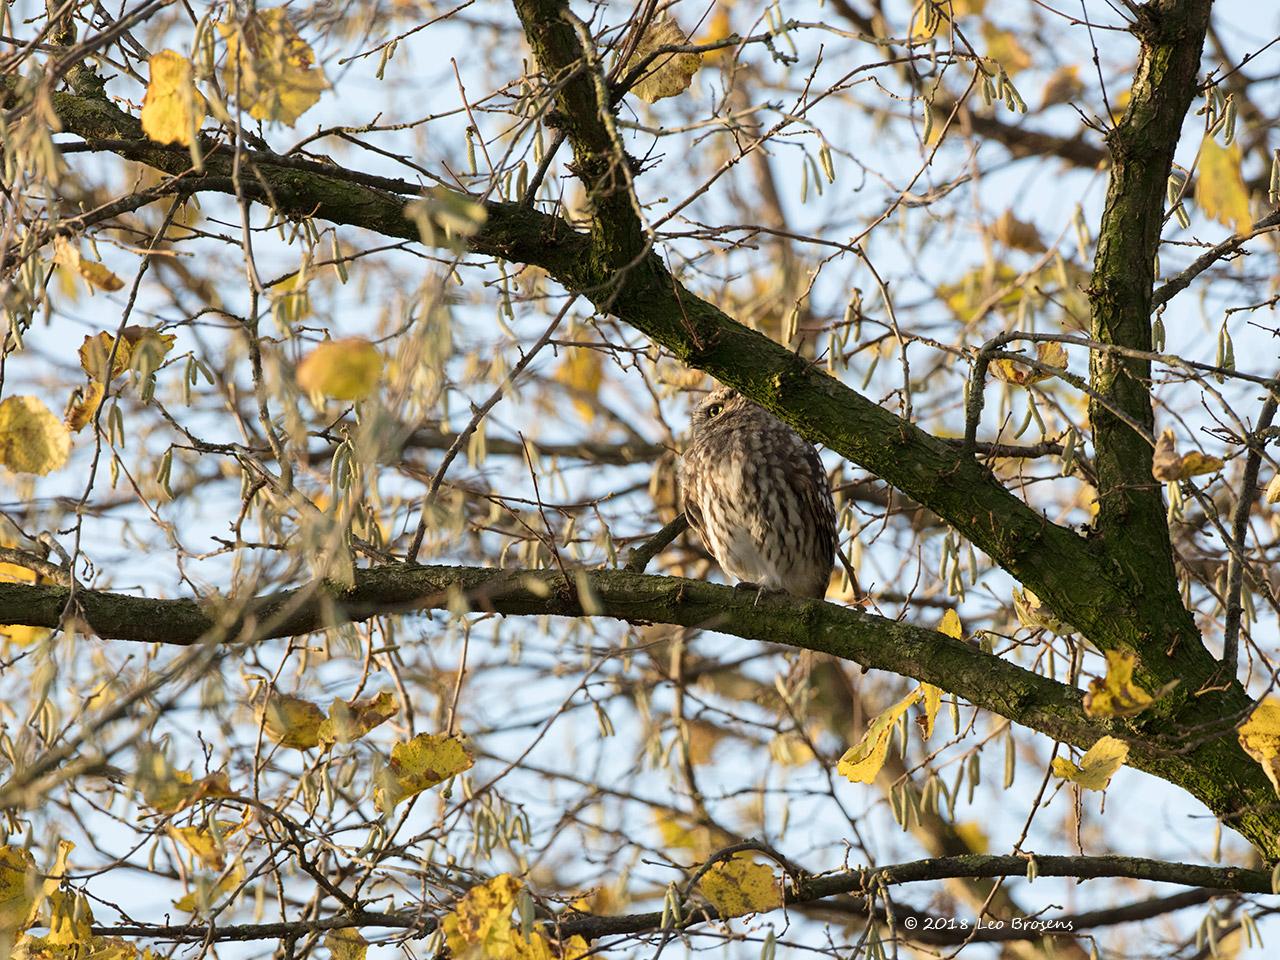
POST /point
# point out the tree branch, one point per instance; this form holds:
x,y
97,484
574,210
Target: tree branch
x,y
1209,881
1131,510
1176,284
1209,770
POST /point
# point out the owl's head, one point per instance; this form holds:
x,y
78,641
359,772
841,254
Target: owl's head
x,y
717,406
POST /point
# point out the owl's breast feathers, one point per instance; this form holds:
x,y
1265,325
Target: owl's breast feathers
x,y
756,493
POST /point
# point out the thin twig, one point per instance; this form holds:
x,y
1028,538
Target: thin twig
x,y
1240,530
639,558
1175,285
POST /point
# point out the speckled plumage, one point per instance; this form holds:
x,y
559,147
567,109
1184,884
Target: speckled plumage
x,y
757,495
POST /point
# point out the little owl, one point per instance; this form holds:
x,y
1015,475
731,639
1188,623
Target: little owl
x,y
755,491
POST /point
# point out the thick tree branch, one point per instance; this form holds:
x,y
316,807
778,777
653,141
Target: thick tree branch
x,y
1209,881
982,679
1131,514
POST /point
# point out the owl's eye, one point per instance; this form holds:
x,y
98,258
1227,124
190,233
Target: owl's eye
x,y
715,410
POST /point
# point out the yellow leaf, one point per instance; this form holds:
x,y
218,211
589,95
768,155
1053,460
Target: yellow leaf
x,y
1032,614
1016,234
670,74
168,790
202,844
346,943
1260,738
480,928
932,702
1049,353
1116,695
23,891
83,404
17,634
1063,86
292,721
350,720
346,369
926,21
1004,48
1168,465
1097,766
480,925
720,28
678,836
740,886
951,626
172,109
270,68
96,351
790,750
67,256
419,764
1273,490
148,347
70,920
12,573
291,297
974,291
23,636
71,935
32,439
973,836
208,893
582,371
1196,463
141,347
92,948
863,760
18,884
1220,188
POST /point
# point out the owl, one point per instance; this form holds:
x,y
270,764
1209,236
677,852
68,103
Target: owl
x,y
757,495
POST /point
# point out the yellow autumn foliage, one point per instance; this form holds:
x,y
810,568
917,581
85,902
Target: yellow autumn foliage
x,y
1097,766
1048,353
863,761
480,927
1260,738
1116,694
95,275
669,74
419,764
740,886
346,943
1220,187
270,68
347,369
32,439
582,372
172,109
291,721
1168,465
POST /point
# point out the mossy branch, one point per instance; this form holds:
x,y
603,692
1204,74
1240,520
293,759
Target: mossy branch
x,y
1214,771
